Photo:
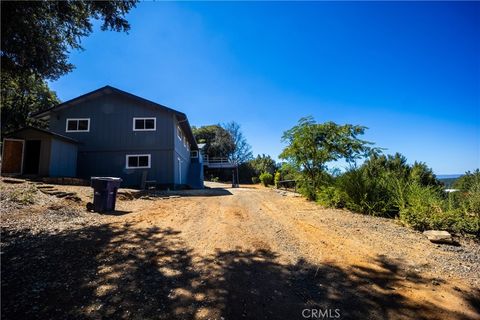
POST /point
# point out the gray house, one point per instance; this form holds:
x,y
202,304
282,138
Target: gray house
x,y
114,133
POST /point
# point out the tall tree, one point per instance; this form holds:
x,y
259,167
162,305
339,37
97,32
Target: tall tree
x,y
20,97
242,151
312,145
36,39
37,35
263,163
218,141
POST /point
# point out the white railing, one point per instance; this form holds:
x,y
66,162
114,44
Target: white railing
x,y
212,160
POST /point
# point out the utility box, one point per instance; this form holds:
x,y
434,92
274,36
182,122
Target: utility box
x,y
104,193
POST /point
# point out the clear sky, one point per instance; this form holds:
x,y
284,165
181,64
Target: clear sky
x,y
408,71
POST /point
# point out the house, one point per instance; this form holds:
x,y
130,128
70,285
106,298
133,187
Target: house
x,y
108,132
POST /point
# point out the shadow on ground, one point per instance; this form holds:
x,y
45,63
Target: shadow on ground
x,y
124,272
207,192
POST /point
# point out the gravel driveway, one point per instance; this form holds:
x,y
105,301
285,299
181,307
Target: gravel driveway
x,y
222,253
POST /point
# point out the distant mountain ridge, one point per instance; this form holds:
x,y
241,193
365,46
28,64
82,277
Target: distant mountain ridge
x,y
448,176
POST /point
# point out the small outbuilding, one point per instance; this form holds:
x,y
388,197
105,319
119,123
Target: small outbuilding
x,y
34,151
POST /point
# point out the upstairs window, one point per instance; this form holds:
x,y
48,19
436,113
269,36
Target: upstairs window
x,y
78,125
138,161
144,124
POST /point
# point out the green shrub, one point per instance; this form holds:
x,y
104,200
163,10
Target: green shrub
x,y
364,193
277,178
423,209
330,196
473,195
255,180
266,179
307,190
427,208
467,181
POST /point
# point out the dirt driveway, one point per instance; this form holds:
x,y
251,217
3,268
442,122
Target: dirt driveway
x,y
225,253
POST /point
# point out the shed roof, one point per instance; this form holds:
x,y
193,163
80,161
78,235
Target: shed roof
x,y
44,131
181,117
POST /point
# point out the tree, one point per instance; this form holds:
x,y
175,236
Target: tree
x,y
36,38
20,97
263,163
242,150
218,141
312,145
37,35
467,181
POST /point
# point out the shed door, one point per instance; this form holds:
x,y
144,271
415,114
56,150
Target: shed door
x,y
12,156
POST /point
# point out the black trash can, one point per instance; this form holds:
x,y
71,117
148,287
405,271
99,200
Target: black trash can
x,y
104,193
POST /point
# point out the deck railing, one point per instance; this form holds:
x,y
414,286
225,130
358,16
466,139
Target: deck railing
x,y
208,159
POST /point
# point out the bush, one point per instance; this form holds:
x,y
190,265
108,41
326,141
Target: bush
x,y
277,178
331,196
255,180
266,179
428,209
307,190
365,193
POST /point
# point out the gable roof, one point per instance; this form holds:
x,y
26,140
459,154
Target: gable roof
x,y
181,117
53,134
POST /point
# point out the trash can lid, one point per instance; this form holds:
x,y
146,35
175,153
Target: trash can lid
x,y
107,178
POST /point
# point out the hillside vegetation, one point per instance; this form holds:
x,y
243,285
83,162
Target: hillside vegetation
x,y
384,185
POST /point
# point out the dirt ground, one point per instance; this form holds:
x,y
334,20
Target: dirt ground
x,y
223,253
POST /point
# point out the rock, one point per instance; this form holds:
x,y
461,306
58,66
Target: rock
x,y
438,236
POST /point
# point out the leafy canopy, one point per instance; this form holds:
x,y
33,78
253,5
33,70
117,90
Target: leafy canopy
x,y
36,39
263,163
20,97
37,35
242,151
312,145
218,141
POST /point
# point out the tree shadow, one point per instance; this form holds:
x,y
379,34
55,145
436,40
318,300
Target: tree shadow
x,y
256,286
101,271
207,192
124,272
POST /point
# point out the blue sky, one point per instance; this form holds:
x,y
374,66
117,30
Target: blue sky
x,y
409,71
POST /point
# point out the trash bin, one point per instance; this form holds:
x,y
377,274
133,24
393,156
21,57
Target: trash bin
x,y
104,193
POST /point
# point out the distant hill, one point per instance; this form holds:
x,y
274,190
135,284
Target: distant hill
x,y
448,179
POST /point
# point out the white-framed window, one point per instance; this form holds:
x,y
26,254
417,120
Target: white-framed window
x,y
137,161
185,141
77,125
144,124
194,154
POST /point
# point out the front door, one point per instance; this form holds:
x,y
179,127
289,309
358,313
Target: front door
x,y
12,156
32,157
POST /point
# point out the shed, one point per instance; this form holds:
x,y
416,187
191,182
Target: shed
x,y
39,152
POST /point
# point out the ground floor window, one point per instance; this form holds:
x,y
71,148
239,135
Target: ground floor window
x,y
138,161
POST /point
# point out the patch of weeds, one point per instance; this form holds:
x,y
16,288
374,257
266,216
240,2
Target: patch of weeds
x,y
22,196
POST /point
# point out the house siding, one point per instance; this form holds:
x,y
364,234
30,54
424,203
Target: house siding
x,y
63,159
103,149
182,153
